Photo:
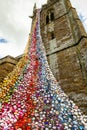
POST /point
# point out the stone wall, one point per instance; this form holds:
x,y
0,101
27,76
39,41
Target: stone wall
x,y
7,64
67,69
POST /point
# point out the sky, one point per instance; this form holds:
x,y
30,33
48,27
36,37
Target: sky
x,y
15,23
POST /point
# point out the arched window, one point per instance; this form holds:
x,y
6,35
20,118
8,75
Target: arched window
x,y
52,36
52,16
47,19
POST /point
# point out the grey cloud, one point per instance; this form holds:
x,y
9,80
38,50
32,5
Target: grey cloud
x,y
13,30
14,22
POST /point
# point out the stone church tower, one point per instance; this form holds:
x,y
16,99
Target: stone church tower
x,y
65,41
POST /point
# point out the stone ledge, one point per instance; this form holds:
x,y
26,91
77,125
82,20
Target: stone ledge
x,y
8,59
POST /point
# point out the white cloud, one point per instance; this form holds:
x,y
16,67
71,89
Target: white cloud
x,y
81,7
15,24
10,48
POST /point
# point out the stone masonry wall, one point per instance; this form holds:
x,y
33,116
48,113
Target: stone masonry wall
x,y
7,64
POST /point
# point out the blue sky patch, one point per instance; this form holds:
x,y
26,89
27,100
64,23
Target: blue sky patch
x,y
2,40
